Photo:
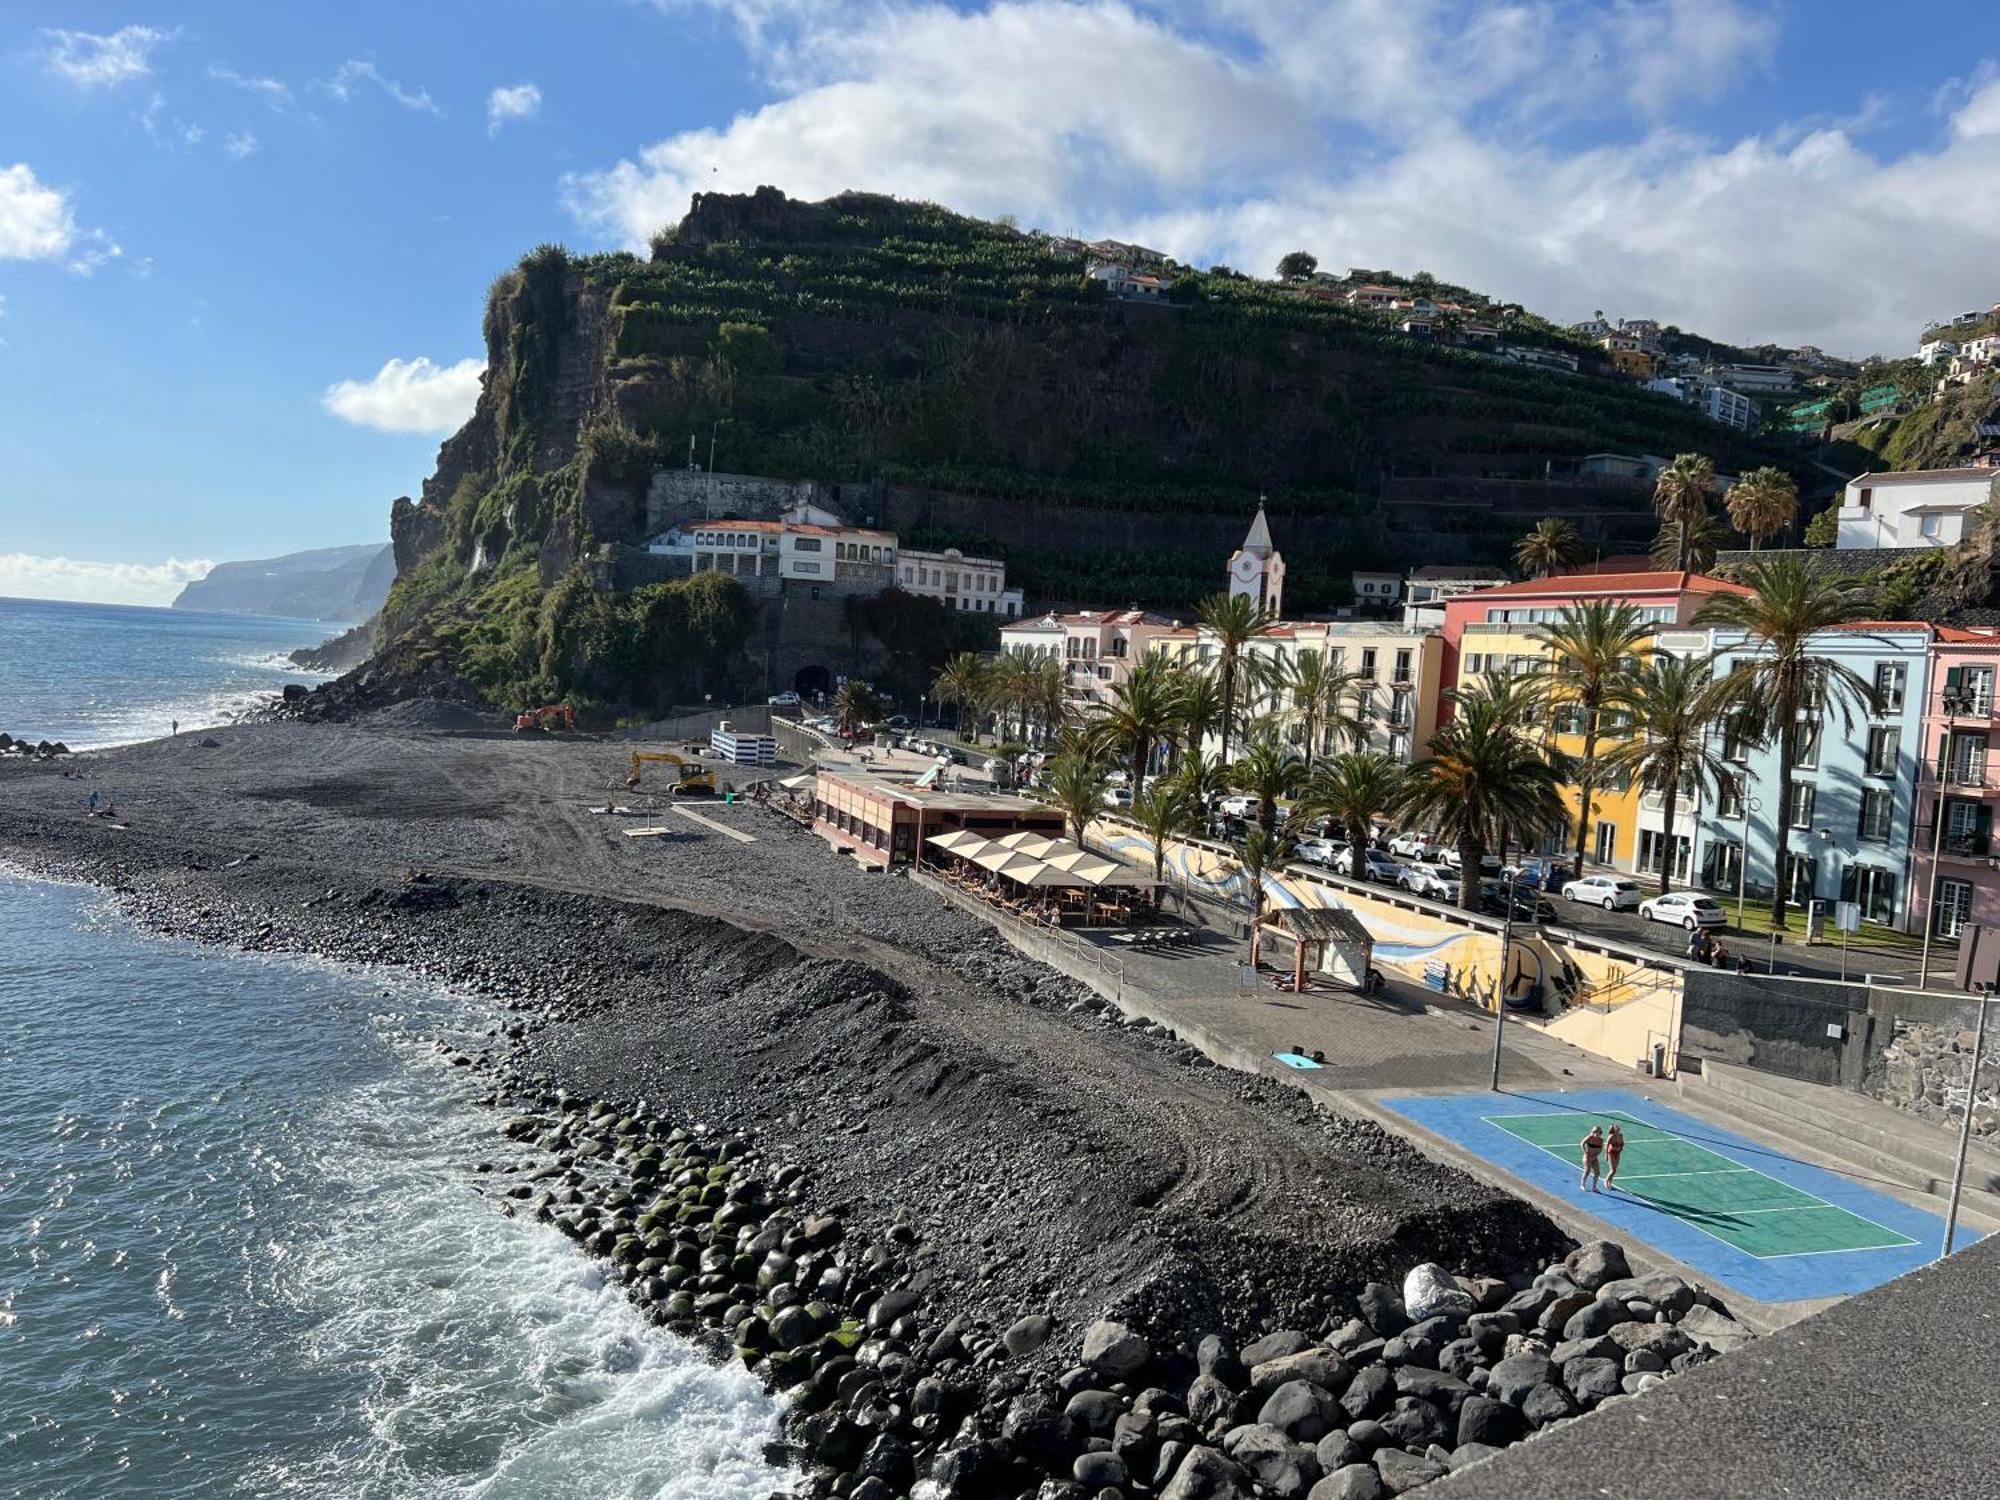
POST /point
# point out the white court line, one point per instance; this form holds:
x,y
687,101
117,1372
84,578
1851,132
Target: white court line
x,y
1817,1201
694,817
1700,1172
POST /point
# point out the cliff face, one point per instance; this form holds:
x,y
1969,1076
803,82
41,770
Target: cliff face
x,y
330,583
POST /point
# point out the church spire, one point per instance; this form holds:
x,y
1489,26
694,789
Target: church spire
x,y
1257,541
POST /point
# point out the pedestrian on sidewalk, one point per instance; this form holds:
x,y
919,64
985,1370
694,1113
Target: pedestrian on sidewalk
x,y
1593,1146
1696,937
1614,1147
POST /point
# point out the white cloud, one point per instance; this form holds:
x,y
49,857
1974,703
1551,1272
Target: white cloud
x,y
354,71
239,145
521,101
409,396
25,576
91,61
276,94
1415,134
36,221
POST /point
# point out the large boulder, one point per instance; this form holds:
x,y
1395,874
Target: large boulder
x,y
1665,1291
1214,1357
1353,1482
1027,1334
1322,1367
1547,1403
1591,1265
1383,1308
1715,1330
1414,1423
1369,1393
1559,1309
1210,1402
1100,1471
1302,1411
1206,1474
1590,1380
1282,1468
1420,1343
1600,1317
1115,1351
1402,1472
1481,1419
1516,1375
1429,1289
1273,1346
1431,1385
1664,1339
1096,1412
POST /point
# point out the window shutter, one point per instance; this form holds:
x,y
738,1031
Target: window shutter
x,y
1954,679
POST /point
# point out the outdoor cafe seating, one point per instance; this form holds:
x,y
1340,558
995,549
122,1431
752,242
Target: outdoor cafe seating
x,y
1042,879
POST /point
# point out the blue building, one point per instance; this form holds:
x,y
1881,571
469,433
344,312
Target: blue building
x,y
1850,806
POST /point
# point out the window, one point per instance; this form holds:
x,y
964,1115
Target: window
x,y
1808,745
1968,830
1729,799
805,544
1931,526
1722,866
807,567
1800,809
1402,666
1368,662
1973,687
1802,877
1884,749
1889,679
1965,759
1877,805
1872,889
1474,662
1954,907
1735,743
1399,711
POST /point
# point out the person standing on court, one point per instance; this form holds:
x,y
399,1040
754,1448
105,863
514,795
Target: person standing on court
x,y
1614,1147
1593,1146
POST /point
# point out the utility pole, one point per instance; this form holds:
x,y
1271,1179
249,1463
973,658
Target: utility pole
x,y
1506,952
1953,701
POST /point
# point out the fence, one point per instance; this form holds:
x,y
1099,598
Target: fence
x,y
1064,951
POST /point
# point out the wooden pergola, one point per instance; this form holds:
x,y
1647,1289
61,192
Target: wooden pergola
x,y
1325,940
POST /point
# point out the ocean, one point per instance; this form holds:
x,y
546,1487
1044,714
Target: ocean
x,y
92,675
244,1249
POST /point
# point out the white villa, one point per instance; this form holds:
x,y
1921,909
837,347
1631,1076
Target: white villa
x,y
1922,508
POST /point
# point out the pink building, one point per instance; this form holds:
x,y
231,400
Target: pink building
x,y
1953,767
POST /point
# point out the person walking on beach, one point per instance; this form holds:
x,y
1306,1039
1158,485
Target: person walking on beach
x,y
177,727
1593,1145
1614,1147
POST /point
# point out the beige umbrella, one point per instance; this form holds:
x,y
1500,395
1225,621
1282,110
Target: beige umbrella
x,y
1004,861
1046,877
1041,846
958,841
1018,837
1093,869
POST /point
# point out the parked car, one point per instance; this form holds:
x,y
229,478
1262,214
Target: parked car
x,y
1495,896
1380,868
1117,796
1452,859
783,700
1612,892
1237,806
1539,874
1318,851
1410,844
898,721
1688,909
1434,881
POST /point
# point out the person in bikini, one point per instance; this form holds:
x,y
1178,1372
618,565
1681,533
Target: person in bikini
x,y
1614,1147
1593,1144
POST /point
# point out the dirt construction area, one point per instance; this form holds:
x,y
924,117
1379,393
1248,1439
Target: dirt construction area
x,y
1043,1153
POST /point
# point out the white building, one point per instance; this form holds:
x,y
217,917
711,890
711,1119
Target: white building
x,y
1933,350
807,543
1717,402
977,585
1097,648
1923,508
1257,568
1376,590
1754,379
1425,590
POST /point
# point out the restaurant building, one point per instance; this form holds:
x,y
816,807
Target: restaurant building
x,y
883,822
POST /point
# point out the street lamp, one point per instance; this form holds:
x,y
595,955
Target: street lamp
x,y
1750,805
1954,701
1511,876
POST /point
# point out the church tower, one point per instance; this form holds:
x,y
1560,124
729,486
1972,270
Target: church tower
x,y
1257,568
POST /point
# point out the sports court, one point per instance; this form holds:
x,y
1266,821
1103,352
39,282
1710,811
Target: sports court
x,y
1751,1218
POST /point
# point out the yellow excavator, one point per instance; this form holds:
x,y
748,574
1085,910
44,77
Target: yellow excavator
x,y
695,780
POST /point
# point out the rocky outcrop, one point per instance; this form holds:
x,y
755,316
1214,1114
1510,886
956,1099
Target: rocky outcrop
x,y
329,583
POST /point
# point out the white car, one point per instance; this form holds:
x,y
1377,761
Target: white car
x,y
783,700
1411,845
1685,909
1237,807
1434,881
1612,892
1321,852
1381,869
1452,859
1119,796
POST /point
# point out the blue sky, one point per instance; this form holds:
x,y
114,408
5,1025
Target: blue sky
x,y
243,247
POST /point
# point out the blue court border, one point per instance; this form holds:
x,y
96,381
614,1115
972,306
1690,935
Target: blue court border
x,y
1461,1119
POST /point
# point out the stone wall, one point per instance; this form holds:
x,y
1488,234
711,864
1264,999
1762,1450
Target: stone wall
x,y
681,494
1779,1025
1924,1067
1828,562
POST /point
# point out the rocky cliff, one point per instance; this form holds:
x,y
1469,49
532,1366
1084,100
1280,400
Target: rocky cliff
x,y
329,583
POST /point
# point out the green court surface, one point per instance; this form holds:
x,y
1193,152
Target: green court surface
x,y
1746,1209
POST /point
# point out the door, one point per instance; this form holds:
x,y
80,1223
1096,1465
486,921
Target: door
x,y
1607,842
1954,907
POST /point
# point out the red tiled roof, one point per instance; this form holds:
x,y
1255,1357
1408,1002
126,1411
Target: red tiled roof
x,y
1568,584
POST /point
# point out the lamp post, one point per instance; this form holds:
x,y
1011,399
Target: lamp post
x,y
1506,952
1750,805
1954,701
1965,1126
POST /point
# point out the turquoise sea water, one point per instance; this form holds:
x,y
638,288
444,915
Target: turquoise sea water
x,y
102,674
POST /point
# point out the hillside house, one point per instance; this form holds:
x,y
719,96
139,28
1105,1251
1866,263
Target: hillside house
x,y
975,585
1924,508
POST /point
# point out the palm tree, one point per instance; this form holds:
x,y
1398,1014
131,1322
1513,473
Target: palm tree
x,y
1482,775
1164,812
1681,494
1010,688
855,704
1257,856
965,680
1352,789
1080,786
1316,687
1552,547
1688,548
1267,771
1201,777
1235,620
1782,677
1197,708
1673,701
1590,649
1141,714
1763,503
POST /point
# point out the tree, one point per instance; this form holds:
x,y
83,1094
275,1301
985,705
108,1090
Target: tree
x,y
854,705
1314,688
1823,530
1352,790
1235,620
1267,771
1552,547
1673,700
1256,857
1680,495
1591,649
1141,713
1297,266
1693,552
1482,774
1781,677
965,681
1762,503
1197,708
1201,777
1165,811
1080,786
